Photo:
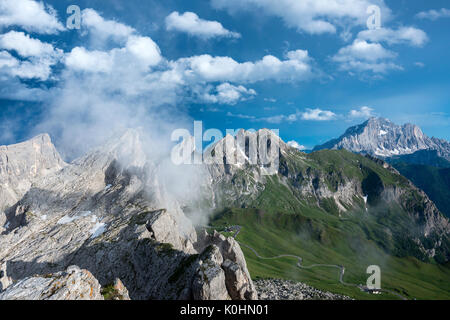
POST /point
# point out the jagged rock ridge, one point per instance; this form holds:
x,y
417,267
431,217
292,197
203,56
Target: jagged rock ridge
x,y
380,137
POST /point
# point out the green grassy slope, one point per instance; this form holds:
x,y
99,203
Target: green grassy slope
x,y
326,239
280,220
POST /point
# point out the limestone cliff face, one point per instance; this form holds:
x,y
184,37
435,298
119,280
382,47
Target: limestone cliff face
x,y
21,165
107,212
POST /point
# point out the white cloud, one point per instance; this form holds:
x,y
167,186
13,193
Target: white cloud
x,y
434,14
139,51
30,15
310,16
318,115
11,66
136,67
296,145
240,116
40,56
92,61
363,112
26,46
103,29
145,49
362,56
419,64
307,115
410,35
227,93
7,60
209,69
190,23
363,50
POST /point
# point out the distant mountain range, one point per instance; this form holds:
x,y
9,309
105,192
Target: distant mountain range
x,y
382,138
423,160
331,207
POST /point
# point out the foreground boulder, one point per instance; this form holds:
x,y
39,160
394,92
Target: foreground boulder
x,y
73,284
223,271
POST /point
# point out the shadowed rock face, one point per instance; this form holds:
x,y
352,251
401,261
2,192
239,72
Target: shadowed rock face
x,y
382,138
108,213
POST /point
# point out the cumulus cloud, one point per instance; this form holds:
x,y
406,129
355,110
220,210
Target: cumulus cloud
x,y
138,50
92,61
26,46
403,35
318,115
136,66
296,145
103,29
362,112
11,66
30,15
296,67
190,23
362,56
310,16
40,56
227,93
434,14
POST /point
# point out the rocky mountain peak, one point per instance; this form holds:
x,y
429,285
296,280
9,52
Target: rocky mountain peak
x,y
383,138
127,148
23,163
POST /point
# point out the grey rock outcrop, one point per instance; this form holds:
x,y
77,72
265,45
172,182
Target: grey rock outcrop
x,y
73,284
227,260
5,281
380,137
209,282
121,290
277,289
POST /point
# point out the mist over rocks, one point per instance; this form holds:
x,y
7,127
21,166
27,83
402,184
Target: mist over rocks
x,y
113,213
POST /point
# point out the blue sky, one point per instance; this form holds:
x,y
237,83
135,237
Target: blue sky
x,y
308,68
